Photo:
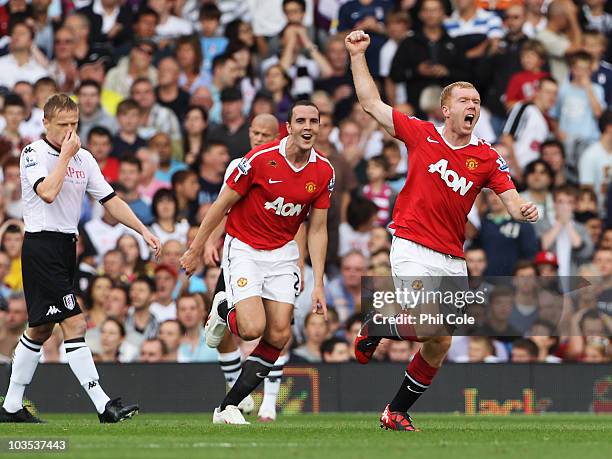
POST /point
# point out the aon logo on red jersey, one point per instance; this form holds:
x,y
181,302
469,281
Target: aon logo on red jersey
x,y
458,184
285,209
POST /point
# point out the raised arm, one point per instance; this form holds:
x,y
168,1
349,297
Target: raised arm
x,y
50,187
356,43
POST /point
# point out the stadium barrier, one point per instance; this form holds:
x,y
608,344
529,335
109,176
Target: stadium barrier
x,y
472,389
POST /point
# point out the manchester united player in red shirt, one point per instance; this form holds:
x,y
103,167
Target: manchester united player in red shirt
x,y
270,193
447,168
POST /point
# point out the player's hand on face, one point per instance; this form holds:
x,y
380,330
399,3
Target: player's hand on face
x,y
70,144
319,305
211,254
530,212
153,242
357,42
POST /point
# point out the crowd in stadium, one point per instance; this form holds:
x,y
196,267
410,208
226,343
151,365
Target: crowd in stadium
x,y
166,90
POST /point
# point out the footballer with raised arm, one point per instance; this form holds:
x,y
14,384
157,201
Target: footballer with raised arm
x,y
447,168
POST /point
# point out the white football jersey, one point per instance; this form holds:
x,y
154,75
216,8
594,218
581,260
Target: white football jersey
x,y
82,175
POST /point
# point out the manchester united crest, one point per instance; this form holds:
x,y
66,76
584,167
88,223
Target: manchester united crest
x,y
417,284
471,163
311,187
242,282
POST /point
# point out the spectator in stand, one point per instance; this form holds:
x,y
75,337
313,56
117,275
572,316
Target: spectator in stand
x,y
542,333
524,350
580,104
14,115
140,323
43,89
504,240
378,190
189,58
117,305
11,241
96,297
278,84
169,27
595,43
354,234
212,44
161,143
523,85
561,37
233,131
152,351
91,113
195,133
344,292
170,332
429,56
596,17
595,351
527,125
504,63
186,188
539,179
100,144
525,310
110,21
168,92
552,152
135,265
352,327
339,84
13,326
224,75
127,141
211,166
401,351
398,28
498,316
568,239
12,188
595,164
480,349
335,350
164,306
149,184
130,169
132,68
113,265
93,67
113,345
20,63
32,125
166,225
143,28
315,330
190,314
535,17
78,25
156,119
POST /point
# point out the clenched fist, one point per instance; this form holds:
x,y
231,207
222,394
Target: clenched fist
x,y
357,42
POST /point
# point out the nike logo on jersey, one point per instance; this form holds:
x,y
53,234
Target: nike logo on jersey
x,y
430,140
271,182
451,178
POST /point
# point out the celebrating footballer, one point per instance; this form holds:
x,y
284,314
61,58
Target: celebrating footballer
x,y
447,168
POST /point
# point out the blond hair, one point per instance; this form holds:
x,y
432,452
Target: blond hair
x,y
447,92
59,103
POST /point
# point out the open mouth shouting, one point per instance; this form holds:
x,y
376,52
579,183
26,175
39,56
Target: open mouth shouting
x,y
469,120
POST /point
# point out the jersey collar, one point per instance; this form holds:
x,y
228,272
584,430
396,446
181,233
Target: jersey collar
x,y
281,150
473,139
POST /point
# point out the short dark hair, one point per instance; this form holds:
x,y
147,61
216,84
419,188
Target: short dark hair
x,y
530,169
327,346
528,345
547,79
605,120
381,160
146,280
522,264
180,176
146,11
356,317
360,210
92,83
46,81
14,100
579,56
17,19
126,105
116,322
99,131
552,143
209,11
221,59
129,159
302,3
567,189
301,103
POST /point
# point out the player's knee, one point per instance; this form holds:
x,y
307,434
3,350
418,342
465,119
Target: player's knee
x,y
74,327
443,343
41,333
250,331
279,338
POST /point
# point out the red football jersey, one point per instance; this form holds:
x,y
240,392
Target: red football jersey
x,y
442,184
276,197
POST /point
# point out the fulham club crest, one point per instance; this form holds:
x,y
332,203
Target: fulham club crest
x,y
69,301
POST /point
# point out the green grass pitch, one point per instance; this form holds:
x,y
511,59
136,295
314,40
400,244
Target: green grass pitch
x,y
334,436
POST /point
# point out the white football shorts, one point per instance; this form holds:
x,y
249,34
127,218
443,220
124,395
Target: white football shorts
x,y
271,274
